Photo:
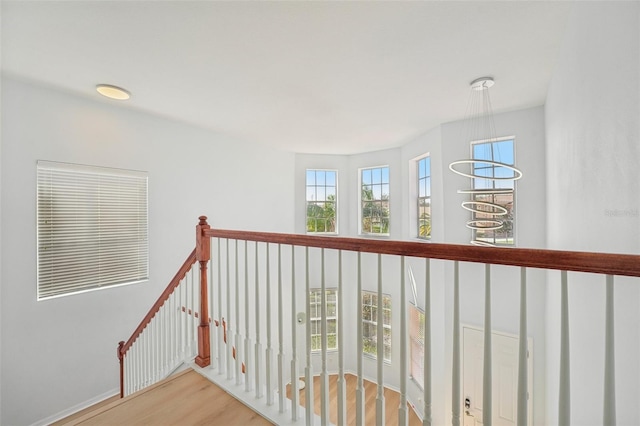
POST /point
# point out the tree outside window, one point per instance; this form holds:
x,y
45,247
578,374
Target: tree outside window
x,y
424,197
370,324
374,198
321,187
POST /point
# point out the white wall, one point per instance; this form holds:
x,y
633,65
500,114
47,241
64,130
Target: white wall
x,y
60,353
593,200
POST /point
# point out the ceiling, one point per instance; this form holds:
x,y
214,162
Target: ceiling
x,y
309,77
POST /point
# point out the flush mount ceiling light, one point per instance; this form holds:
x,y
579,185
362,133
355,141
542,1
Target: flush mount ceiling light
x,y
113,92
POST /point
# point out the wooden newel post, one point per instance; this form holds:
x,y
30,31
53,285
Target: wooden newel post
x,y
203,254
121,360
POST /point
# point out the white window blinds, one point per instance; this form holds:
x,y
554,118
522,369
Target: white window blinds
x,y
92,228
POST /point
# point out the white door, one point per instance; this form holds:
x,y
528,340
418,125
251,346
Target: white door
x,y
504,354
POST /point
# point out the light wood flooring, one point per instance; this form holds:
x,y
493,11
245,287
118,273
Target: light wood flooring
x,y
391,399
186,398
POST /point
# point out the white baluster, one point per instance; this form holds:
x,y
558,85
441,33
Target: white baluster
x,y
455,376
174,327
324,375
281,383
221,344
166,337
564,400
162,341
184,325
189,315
131,365
145,359
523,378
609,412
487,412
228,331
258,345
380,414
403,415
294,345
187,321
196,308
135,361
135,358
269,352
309,397
148,354
140,363
169,327
342,386
238,336
359,383
212,328
153,351
426,366
248,383
127,372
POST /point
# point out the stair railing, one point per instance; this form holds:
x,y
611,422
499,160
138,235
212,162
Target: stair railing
x,y
248,274
165,337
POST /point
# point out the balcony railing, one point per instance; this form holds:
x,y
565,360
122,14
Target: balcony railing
x,y
248,308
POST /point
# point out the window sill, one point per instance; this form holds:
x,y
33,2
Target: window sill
x,y
375,358
376,236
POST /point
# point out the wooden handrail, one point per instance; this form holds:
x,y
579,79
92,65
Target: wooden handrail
x,y
599,263
123,347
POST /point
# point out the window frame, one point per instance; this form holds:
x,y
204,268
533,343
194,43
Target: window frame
x,y
380,202
373,323
494,185
315,299
324,201
92,229
419,197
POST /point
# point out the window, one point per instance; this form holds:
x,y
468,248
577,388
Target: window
x,y
92,228
424,197
370,324
315,317
492,206
321,201
374,198
416,340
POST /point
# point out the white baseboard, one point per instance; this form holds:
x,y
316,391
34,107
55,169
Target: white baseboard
x,y
78,407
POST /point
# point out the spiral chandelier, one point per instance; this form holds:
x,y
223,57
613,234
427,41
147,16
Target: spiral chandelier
x,y
491,178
